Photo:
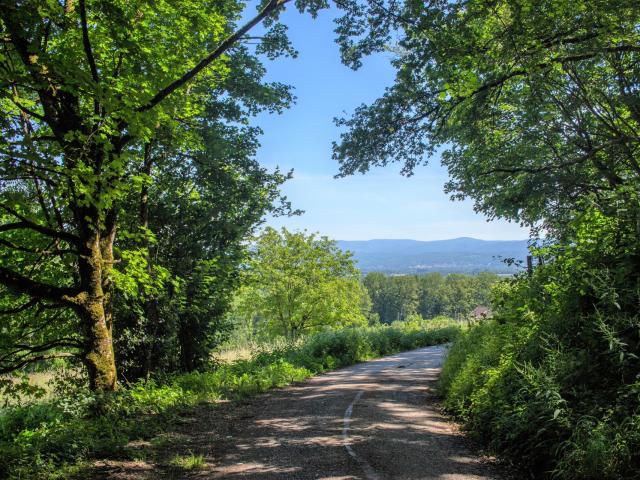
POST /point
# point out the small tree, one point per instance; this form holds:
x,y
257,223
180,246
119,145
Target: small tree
x,y
301,283
431,302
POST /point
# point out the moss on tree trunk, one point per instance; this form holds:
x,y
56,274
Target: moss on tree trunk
x,y
98,357
94,308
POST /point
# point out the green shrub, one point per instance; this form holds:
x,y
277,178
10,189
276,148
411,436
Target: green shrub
x,y
551,382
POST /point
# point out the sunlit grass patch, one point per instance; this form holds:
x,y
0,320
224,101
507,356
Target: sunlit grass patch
x,y
233,354
188,462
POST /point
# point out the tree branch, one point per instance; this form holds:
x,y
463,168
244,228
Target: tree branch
x,y
272,6
558,59
24,109
39,251
33,288
26,223
21,308
547,168
61,342
86,43
23,363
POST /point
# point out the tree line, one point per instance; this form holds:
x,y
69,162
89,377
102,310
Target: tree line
x,y
396,297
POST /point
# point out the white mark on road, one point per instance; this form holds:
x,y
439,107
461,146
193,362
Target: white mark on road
x,y
366,467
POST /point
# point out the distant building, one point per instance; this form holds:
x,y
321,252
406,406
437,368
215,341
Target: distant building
x,y
481,312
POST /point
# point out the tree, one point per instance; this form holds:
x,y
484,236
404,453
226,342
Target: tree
x,y
458,294
202,208
301,282
403,296
393,298
484,282
535,103
86,87
431,302
377,285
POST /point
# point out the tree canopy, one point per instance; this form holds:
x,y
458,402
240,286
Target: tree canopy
x,y
99,97
298,283
534,103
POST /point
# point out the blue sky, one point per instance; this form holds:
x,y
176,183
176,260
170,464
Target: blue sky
x,y
379,204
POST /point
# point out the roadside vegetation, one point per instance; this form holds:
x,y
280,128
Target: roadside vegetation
x,y
552,381
58,437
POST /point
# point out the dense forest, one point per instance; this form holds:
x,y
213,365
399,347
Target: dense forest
x,y
132,205
396,298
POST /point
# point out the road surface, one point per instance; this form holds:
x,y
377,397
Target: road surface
x,y
372,421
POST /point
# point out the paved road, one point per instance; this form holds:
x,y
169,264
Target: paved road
x,y
372,421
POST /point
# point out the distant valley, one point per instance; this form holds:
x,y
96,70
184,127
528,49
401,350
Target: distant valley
x,y
458,255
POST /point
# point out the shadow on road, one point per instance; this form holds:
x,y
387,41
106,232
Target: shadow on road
x,y
395,430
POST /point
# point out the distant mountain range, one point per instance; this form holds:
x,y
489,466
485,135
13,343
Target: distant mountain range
x,y
458,255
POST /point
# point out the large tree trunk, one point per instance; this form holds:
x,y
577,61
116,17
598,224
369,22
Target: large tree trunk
x,y
98,356
94,309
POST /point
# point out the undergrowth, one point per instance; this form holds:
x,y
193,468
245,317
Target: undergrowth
x,y
552,382
57,437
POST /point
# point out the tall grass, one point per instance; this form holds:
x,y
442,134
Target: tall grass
x,y
557,395
50,439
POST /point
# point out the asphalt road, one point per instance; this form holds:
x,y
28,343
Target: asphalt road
x,y
373,421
